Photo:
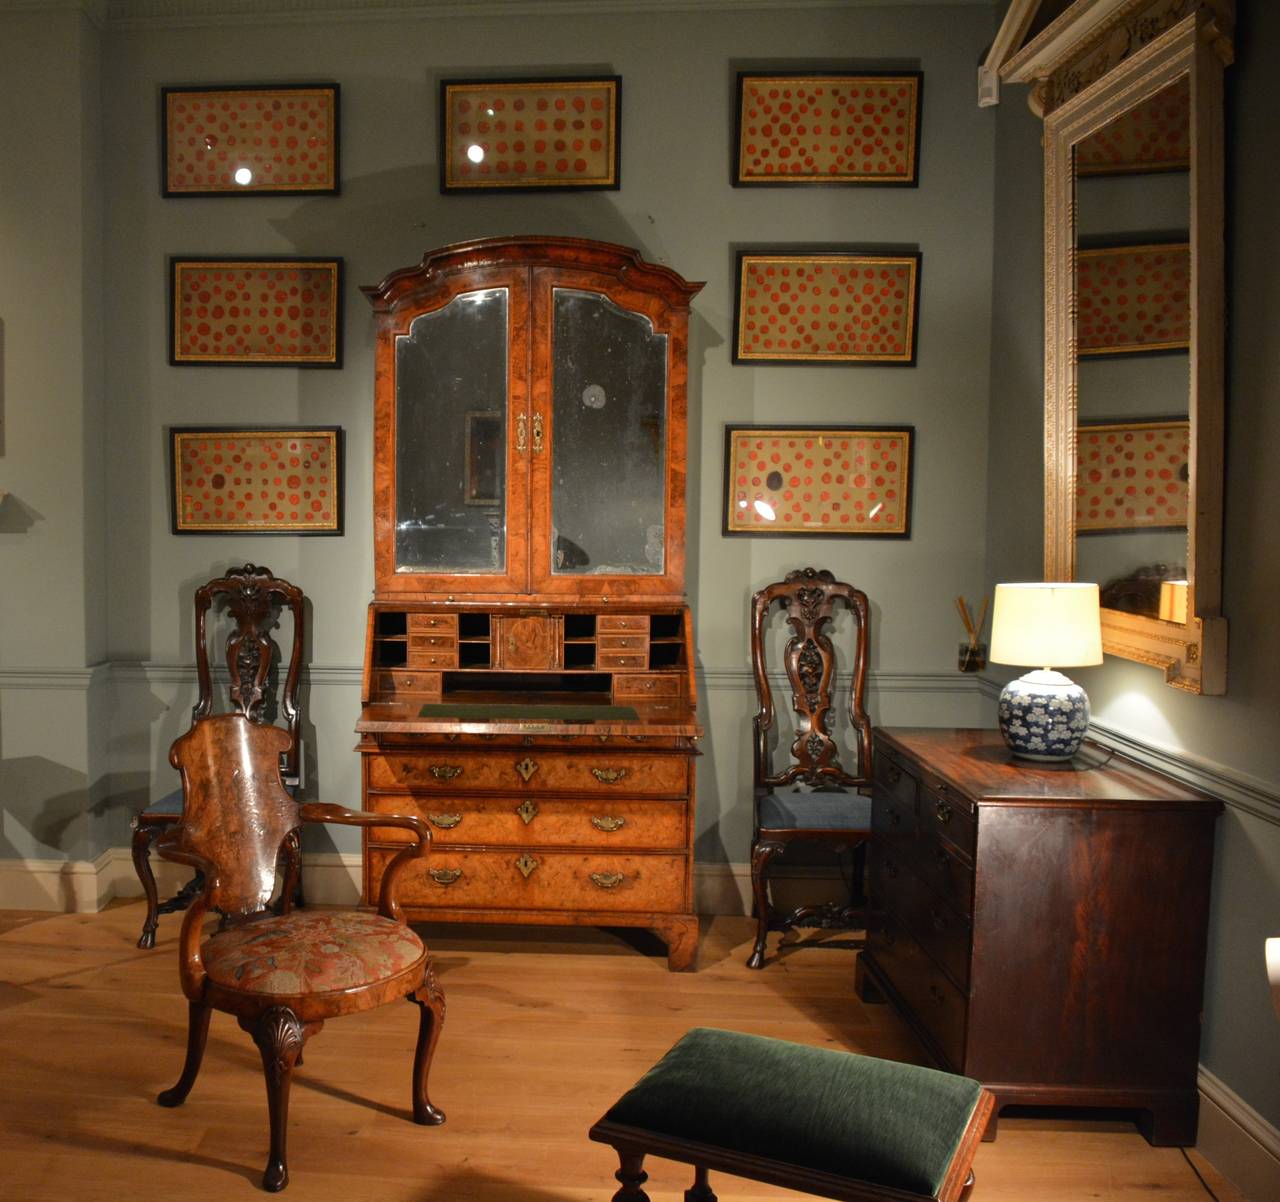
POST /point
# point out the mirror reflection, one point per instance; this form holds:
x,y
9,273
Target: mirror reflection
x,y
1133,337
609,384
451,402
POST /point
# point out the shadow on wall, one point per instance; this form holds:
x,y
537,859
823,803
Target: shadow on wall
x,y
50,802
16,517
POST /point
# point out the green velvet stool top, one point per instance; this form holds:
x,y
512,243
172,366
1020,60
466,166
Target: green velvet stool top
x,y
799,1116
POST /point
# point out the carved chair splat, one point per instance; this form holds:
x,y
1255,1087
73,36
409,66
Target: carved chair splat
x,y
832,811
254,599
282,975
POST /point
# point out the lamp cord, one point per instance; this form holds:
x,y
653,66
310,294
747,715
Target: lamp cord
x,y
1199,1176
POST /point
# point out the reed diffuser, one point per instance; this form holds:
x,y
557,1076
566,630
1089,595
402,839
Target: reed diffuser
x,y
973,652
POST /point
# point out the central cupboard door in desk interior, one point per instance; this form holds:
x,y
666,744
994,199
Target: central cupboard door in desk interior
x,y
537,827
530,427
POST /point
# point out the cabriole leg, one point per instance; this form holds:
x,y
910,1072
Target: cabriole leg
x,y
143,836
761,854
279,1037
429,998
197,1033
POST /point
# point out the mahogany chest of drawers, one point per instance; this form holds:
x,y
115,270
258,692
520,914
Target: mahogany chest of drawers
x,y
1042,928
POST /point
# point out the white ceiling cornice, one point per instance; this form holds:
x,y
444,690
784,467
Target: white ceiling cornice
x,y
138,14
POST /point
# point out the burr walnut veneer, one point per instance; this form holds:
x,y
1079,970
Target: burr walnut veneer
x,y
1042,928
528,680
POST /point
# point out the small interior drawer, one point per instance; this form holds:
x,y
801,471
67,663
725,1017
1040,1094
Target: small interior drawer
x,y
440,623
633,622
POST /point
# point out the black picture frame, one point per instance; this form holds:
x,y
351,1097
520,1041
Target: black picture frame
x,y
181,515
259,144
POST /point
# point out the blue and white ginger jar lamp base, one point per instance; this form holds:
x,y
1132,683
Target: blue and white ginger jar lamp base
x,y
1043,716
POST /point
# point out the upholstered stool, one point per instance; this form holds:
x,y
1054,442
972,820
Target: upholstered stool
x,y
822,1122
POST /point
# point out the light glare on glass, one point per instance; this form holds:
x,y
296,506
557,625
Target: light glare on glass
x,y
765,510
475,152
243,175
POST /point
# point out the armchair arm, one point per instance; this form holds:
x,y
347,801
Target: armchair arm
x,y
190,965
388,904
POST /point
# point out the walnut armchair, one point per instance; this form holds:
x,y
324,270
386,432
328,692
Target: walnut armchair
x,y
254,599
813,797
282,974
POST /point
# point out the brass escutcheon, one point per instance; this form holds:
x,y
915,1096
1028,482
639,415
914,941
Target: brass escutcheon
x,y
527,810
526,863
526,767
608,824
607,880
537,432
444,876
446,771
522,432
446,822
608,776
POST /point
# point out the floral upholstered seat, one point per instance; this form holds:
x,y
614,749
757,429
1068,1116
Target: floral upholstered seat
x,y
283,972
310,951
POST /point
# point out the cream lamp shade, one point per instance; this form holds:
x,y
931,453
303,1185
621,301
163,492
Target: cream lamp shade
x,y
1056,625
1173,601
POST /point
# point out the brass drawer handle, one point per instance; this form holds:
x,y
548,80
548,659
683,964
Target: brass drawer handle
x,y
446,822
526,767
938,918
522,432
607,880
893,774
526,863
446,771
527,810
944,860
943,810
608,776
445,876
607,824
935,992
895,818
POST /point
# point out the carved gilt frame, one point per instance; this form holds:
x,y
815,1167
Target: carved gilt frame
x,y
1130,50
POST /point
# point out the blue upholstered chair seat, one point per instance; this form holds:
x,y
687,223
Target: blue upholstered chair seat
x,y
829,811
170,803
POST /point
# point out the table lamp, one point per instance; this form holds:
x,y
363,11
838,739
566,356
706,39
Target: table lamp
x,y
1044,715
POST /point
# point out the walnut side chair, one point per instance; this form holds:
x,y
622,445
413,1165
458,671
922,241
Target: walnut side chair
x,y
813,798
282,974
254,599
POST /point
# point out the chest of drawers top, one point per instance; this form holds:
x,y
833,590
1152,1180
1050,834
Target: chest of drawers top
x,y
976,765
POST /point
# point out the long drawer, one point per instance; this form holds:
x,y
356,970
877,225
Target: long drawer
x,y
941,930
533,879
938,1006
532,771
543,822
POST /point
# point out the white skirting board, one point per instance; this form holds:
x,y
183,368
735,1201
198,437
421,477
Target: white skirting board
x,y
1237,1140
1233,1137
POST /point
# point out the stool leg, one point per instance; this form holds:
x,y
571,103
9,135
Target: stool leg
x,y
700,1191
632,1177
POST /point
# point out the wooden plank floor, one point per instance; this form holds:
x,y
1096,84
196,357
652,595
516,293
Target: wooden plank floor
x,y
544,1030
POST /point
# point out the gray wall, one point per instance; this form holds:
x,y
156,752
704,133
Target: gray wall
x,y
677,206
1231,739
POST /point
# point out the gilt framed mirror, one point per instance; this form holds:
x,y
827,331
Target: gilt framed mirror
x,y
1131,95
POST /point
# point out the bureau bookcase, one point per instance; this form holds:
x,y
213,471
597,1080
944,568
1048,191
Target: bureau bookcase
x,y
528,679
